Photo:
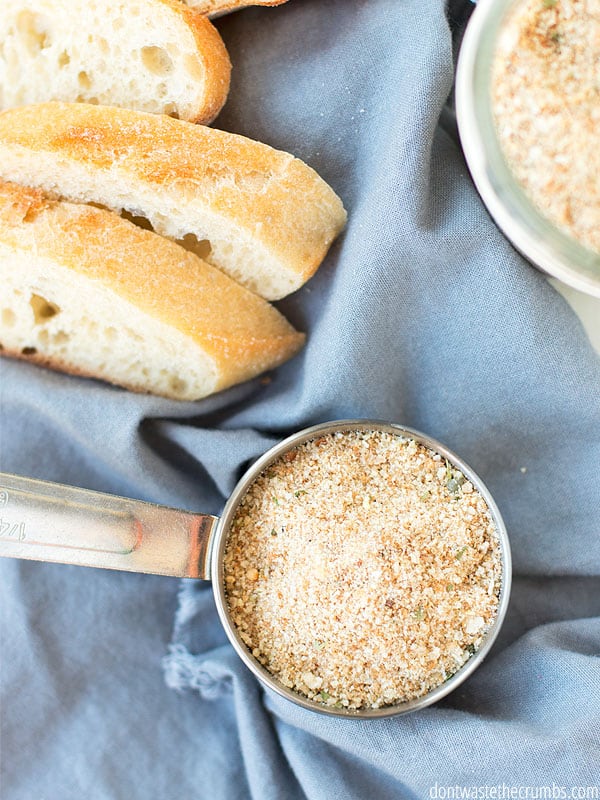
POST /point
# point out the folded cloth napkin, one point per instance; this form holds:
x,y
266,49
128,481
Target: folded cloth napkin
x,y
422,314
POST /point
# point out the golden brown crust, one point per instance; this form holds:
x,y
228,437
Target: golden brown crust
x,y
279,201
213,56
58,364
241,331
19,204
221,6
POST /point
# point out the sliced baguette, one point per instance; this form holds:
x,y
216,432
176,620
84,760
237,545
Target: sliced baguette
x,y
151,55
261,215
217,7
87,292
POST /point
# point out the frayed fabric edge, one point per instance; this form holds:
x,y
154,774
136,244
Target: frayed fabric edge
x,y
183,670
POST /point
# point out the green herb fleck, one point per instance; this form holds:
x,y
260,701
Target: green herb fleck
x,y
470,648
299,492
273,532
454,480
419,613
448,676
448,470
453,486
549,3
450,587
275,500
425,495
339,704
324,696
460,553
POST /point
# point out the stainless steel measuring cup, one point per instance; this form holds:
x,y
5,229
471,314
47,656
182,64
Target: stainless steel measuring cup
x,y
52,522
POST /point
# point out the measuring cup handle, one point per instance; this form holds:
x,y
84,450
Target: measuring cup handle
x,y
51,522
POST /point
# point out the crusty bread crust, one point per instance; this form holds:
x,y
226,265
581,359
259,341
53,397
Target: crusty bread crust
x,y
186,179
58,364
215,7
164,58
236,330
215,60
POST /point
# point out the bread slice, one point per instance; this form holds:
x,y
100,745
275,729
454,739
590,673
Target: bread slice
x,y
217,7
259,214
152,55
88,292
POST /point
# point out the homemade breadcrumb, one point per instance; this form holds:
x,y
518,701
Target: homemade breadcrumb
x,y
546,103
362,570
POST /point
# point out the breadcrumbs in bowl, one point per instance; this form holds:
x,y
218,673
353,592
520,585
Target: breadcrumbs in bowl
x,y
527,111
362,570
546,103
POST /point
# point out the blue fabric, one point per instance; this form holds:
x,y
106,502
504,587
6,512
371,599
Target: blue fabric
x,y
422,314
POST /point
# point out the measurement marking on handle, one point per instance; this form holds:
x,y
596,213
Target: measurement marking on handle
x,y
12,530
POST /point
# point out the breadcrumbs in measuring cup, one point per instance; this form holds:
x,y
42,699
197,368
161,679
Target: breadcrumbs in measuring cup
x,y
362,570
